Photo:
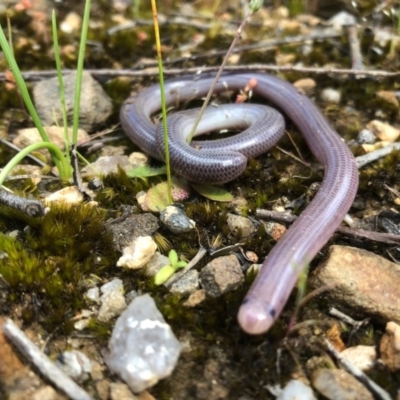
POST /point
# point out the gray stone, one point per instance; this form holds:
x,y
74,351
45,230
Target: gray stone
x,y
296,390
106,165
187,284
156,263
221,275
123,232
75,364
112,300
176,220
362,357
95,105
338,384
366,136
143,348
390,347
240,226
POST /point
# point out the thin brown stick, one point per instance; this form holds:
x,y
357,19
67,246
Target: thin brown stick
x,y
380,237
129,73
355,47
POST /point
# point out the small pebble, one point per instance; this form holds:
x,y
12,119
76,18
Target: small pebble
x,y
156,262
124,231
305,86
296,390
338,384
240,226
75,364
138,159
93,294
383,131
341,19
366,136
176,220
390,347
71,23
187,284
362,357
106,165
138,254
389,98
28,136
331,95
195,298
221,275
112,300
68,195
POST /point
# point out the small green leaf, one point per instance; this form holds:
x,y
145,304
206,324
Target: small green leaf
x,y
145,171
212,192
173,257
164,274
180,264
255,5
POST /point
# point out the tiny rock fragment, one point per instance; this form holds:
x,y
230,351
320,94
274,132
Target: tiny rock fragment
x,y
106,165
156,263
71,23
143,348
362,357
388,97
221,275
187,284
390,347
138,159
333,335
121,391
75,364
124,231
195,298
68,195
28,136
383,131
305,86
366,137
371,291
330,95
176,220
138,254
112,300
339,384
296,390
275,229
369,148
93,294
240,226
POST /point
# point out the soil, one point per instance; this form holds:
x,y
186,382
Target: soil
x,y
221,362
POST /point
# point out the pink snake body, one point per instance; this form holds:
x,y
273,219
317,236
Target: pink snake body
x,y
311,231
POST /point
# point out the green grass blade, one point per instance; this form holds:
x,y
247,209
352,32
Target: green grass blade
x,y
60,83
79,71
19,80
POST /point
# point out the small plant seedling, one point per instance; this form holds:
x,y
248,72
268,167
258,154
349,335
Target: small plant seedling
x,y
168,270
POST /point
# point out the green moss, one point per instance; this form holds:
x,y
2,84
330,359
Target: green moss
x,y
53,258
375,177
101,330
120,189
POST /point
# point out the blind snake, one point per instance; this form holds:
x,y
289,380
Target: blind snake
x,y
296,249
